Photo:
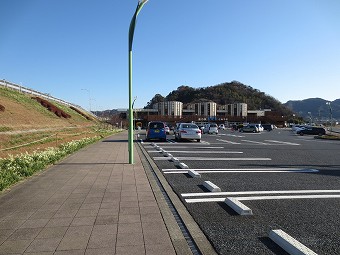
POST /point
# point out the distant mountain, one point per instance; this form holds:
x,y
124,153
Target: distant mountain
x,y
225,93
317,107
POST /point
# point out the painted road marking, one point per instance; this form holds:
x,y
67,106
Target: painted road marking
x,y
233,135
204,152
225,141
212,159
186,147
265,192
254,170
222,199
249,141
281,142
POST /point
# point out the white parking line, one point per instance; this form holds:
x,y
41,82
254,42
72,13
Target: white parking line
x,y
206,152
186,147
212,159
233,135
261,192
249,141
180,171
281,142
222,199
225,141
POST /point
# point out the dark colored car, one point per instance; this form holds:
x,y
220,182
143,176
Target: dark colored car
x,y
312,131
156,131
268,127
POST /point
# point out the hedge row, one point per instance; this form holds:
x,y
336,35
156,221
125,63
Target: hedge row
x,y
14,169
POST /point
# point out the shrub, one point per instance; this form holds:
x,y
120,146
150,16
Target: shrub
x,y
2,108
57,111
13,169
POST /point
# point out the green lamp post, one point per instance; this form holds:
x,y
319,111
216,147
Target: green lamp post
x,y
131,32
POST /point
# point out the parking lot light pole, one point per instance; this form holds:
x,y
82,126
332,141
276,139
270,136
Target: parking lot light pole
x,y
131,32
330,114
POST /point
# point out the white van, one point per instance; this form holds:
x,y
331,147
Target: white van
x,y
210,128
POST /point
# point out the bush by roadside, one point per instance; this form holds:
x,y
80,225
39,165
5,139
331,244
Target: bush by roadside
x,y
14,169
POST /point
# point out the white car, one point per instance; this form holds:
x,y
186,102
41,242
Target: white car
x,y
259,127
210,128
188,131
221,126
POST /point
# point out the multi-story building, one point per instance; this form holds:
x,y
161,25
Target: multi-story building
x,y
169,108
237,109
202,109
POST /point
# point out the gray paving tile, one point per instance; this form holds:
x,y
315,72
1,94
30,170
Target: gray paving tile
x,y
14,246
92,206
39,245
39,253
67,213
25,234
156,249
87,213
70,252
129,218
131,250
109,205
155,233
76,238
59,222
101,251
130,227
34,223
108,211
102,239
52,232
106,220
152,217
128,239
83,221
5,233
43,214
11,224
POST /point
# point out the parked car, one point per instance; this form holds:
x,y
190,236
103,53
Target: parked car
x,y
259,127
156,131
268,127
312,131
188,131
210,128
251,128
221,126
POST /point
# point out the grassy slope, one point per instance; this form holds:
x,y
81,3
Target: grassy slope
x,y
25,120
24,113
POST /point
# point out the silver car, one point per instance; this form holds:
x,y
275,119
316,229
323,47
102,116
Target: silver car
x,y
188,131
211,128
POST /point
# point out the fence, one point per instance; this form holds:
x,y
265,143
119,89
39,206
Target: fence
x,y
22,89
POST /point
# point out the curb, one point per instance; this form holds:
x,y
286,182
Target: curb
x,y
180,244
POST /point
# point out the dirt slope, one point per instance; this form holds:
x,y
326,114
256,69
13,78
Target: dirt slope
x,y
23,121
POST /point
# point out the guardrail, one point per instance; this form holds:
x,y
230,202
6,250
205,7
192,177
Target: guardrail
x,y
22,89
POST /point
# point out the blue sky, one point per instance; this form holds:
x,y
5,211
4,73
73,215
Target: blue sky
x,y
77,50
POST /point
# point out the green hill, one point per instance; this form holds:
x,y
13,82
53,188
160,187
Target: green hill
x,y
225,93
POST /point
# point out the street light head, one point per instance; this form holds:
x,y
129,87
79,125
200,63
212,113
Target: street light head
x,y
142,1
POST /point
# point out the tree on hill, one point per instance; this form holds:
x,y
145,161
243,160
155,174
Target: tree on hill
x,y
225,93
156,99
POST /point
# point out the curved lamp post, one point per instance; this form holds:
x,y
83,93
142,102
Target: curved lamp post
x,y
330,113
131,32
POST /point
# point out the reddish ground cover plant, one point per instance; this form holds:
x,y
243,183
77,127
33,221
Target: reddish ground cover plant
x,y
2,108
57,111
80,112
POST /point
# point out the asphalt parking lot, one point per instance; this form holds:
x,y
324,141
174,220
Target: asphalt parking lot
x,y
288,182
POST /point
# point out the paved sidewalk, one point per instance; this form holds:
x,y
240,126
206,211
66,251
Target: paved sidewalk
x,y
93,202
